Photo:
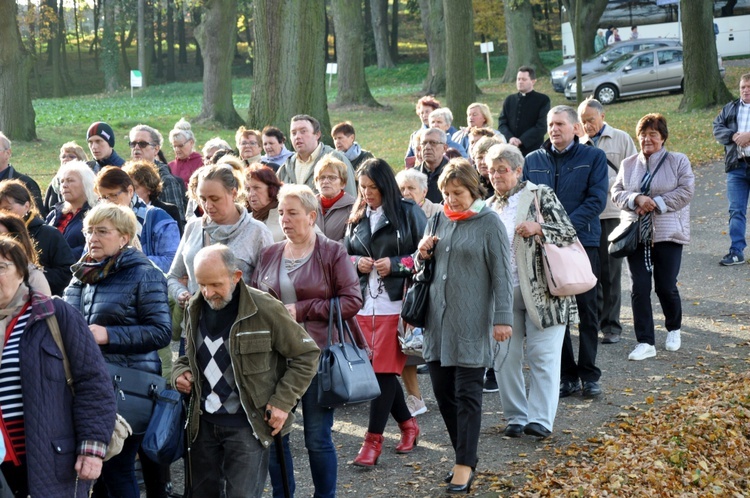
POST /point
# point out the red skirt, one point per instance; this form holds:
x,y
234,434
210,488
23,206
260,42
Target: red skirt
x,y
381,333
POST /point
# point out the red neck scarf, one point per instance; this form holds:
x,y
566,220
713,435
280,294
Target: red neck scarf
x,y
326,203
476,207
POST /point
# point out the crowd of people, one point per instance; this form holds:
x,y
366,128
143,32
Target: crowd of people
x,y
239,255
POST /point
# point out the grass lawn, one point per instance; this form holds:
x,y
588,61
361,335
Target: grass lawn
x,y
384,131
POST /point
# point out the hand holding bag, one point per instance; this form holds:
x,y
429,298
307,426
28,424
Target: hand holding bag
x,y
345,374
416,299
567,269
623,241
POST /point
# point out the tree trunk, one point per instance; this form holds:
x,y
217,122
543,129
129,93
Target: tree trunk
x,y
181,36
197,13
348,24
379,12
370,56
124,52
109,48
97,10
394,30
519,29
591,13
433,25
459,54
216,37
54,56
16,110
149,41
170,42
158,34
703,85
142,41
289,69
78,35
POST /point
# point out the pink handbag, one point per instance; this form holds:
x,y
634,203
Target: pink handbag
x,y
567,269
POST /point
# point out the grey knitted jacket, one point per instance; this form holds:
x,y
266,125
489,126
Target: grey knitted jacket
x,y
471,290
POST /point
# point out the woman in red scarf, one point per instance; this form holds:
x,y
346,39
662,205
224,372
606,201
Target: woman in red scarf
x,y
335,204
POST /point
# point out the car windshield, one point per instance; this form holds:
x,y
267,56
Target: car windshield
x,y
619,62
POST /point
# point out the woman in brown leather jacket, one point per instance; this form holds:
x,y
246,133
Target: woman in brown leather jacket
x,y
304,272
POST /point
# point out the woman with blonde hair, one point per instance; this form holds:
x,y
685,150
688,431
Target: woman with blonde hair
x,y
477,115
69,151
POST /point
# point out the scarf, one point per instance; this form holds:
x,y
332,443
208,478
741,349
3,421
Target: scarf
x,y
326,203
280,158
90,271
14,307
475,208
354,151
501,200
262,213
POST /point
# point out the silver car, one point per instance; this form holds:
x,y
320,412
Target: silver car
x,y
562,75
649,71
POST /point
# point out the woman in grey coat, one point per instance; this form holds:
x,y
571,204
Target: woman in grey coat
x,y
471,301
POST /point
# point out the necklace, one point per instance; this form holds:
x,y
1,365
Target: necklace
x,y
293,261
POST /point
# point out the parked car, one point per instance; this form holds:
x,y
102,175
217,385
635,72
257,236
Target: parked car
x,y
650,71
562,75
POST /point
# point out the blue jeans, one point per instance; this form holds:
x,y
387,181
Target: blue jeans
x,y
738,190
321,452
118,473
231,454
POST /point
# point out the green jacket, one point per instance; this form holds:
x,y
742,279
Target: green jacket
x,y
273,358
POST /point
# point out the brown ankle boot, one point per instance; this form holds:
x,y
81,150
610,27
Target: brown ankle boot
x,y
370,451
409,436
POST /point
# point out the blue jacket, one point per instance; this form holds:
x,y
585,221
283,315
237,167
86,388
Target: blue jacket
x,y
57,422
579,179
160,234
131,302
74,231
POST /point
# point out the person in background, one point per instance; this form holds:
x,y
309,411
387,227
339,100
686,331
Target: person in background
x,y
123,298
275,149
249,144
69,151
442,119
305,271
78,196
599,41
13,226
608,33
345,140
8,172
732,129
239,401
433,149
664,229
425,106
478,153
614,37
471,308
148,186
34,388
477,115
55,256
334,205
101,140
212,146
383,232
539,318
523,118
186,159
634,32
617,145
261,191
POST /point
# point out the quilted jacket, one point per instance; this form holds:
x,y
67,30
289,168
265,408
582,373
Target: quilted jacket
x,y
57,422
131,302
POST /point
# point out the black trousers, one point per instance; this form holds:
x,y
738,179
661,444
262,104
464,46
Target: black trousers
x,y
390,402
588,334
666,258
458,391
608,288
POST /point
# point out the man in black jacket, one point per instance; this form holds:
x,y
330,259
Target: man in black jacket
x,y
523,120
8,172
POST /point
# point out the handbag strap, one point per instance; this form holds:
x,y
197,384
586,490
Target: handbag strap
x,y
54,328
539,217
332,310
646,189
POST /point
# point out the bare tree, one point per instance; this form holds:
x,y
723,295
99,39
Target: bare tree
x,y
379,11
519,28
433,25
16,110
460,87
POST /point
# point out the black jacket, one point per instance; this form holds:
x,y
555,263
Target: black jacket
x,y
73,233
54,254
525,117
10,173
388,242
433,191
725,126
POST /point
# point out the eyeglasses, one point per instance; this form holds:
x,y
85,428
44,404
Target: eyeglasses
x,y
431,143
98,231
248,144
142,144
327,178
4,266
111,197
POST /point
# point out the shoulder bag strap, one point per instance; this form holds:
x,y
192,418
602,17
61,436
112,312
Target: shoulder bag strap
x,y
647,188
331,312
54,329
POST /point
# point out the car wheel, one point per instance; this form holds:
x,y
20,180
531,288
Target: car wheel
x,y
606,94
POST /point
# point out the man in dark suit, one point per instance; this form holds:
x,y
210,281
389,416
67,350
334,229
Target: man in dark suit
x,y
523,120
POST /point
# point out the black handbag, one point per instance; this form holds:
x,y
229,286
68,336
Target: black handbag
x,y
345,374
417,297
164,441
136,393
623,241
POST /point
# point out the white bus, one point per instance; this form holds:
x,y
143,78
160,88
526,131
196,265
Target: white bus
x,y
661,19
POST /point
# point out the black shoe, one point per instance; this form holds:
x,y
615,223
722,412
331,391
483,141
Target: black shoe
x,y
591,388
461,489
611,339
568,387
537,430
423,369
490,382
448,477
513,430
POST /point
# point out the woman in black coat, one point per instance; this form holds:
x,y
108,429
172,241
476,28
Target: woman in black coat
x,y
54,253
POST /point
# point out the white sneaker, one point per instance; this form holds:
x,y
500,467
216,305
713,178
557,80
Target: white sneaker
x,y
642,351
415,405
673,340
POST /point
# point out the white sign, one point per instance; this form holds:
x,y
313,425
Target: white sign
x,y
332,68
486,47
136,79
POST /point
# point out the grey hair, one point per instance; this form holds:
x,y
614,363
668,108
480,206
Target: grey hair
x,y
592,103
435,131
182,129
412,175
226,254
155,135
445,113
88,178
505,152
5,140
570,113
302,193
216,143
483,145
